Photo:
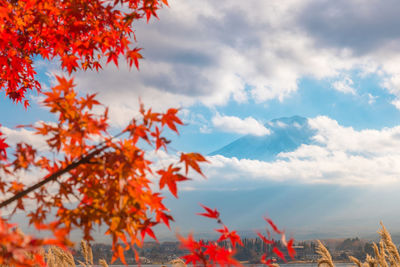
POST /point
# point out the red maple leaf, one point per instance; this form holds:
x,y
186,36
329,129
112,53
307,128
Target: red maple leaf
x,y
274,227
233,236
264,239
213,214
3,147
291,250
192,160
170,177
279,253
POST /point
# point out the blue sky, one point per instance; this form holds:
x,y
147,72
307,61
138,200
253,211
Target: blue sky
x,y
232,66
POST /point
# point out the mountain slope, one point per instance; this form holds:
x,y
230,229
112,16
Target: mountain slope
x,y
287,134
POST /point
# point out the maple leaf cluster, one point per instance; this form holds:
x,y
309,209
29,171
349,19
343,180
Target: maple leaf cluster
x,y
210,254
268,240
90,183
77,32
3,147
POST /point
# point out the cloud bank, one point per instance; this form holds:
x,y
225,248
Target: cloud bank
x,y
212,53
234,124
340,155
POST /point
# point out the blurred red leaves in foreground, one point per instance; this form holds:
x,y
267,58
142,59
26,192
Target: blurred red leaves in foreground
x,y
212,253
18,249
93,178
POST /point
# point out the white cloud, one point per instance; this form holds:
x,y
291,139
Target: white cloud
x,y
212,52
372,99
211,55
367,142
33,174
195,118
314,166
344,86
38,142
340,155
280,124
15,136
234,124
205,129
396,103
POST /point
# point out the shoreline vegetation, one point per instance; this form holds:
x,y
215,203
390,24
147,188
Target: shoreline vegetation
x,y
310,262
384,254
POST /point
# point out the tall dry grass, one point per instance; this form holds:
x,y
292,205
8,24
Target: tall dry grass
x,y
386,253
178,262
326,258
57,257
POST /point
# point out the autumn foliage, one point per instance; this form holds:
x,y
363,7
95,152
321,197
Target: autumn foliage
x,y
88,176
209,254
77,33
3,147
110,181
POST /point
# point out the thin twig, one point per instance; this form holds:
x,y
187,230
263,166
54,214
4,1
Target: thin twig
x,y
52,177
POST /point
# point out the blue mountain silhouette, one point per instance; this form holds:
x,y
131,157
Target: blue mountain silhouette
x,y
287,134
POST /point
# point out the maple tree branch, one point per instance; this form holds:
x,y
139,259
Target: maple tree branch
x,y
72,192
51,177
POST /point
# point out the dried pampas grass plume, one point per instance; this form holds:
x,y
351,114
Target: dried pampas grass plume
x,y
326,259
57,257
178,262
386,253
103,263
88,255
